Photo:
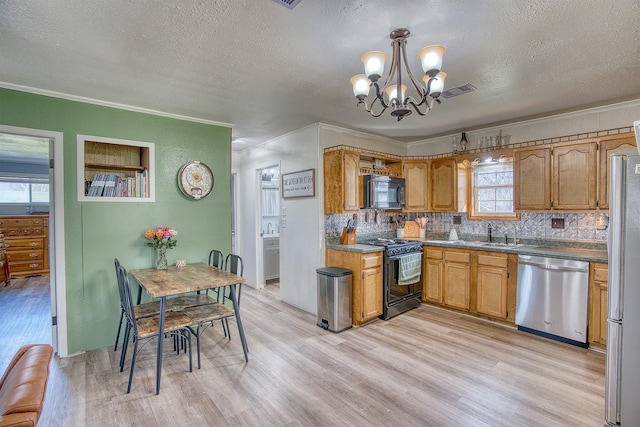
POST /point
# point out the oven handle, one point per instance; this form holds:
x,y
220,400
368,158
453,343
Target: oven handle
x,y
395,257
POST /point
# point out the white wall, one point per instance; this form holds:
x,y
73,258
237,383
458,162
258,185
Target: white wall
x,y
302,236
302,219
590,120
332,135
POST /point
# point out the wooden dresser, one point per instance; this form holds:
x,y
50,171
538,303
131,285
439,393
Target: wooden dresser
x,y
27,241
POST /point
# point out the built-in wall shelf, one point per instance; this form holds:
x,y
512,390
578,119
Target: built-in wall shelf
x,y
115,170
117,167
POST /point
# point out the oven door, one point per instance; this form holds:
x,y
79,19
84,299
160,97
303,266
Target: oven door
x,y
395,292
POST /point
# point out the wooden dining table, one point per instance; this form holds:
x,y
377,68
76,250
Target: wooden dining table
x,y
190,278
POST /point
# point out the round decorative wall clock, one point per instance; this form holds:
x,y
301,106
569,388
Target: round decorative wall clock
x,y
195,180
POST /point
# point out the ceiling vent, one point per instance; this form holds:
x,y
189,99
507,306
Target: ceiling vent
x,y
289,4
455,91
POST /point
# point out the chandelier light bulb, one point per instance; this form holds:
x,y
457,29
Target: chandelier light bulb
x,y
361,86
374,64
437,84
392,92
431,59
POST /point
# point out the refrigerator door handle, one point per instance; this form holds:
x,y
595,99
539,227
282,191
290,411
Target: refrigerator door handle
x,y
615,242
613,373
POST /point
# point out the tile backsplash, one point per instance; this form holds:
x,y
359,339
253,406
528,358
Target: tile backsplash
x,y
577,226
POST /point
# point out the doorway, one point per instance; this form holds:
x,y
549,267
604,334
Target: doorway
x,y
18,145
269,221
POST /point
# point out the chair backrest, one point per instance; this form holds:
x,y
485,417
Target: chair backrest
x,y
118,280
125,289
233,264
216,259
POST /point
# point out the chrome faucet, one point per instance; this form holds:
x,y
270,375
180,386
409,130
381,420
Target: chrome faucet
x,y
268,228
489,232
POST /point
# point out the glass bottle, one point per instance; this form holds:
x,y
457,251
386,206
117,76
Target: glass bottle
x,y
463,141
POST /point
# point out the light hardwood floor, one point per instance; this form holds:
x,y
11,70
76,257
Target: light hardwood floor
x,y
426,367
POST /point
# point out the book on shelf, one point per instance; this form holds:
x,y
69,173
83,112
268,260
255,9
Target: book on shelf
x,y
113,185
109,185
97,185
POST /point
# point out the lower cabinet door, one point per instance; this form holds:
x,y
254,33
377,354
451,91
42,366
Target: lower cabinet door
x,y
456,284
492,291
371,293
432,288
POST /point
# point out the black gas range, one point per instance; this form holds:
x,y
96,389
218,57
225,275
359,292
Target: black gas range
x,y
396,246
400,293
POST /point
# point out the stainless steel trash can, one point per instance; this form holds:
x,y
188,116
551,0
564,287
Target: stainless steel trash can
x,y
334,298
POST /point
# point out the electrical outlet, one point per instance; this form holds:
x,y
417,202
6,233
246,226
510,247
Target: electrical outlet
x,y
557,222
457,219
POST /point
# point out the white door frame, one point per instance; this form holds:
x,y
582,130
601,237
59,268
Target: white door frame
x,y
56,236
259,242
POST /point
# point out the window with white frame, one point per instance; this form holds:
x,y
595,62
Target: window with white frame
x,y
492,189
24,190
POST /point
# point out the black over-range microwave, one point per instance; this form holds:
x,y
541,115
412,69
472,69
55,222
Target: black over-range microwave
x,y
383,192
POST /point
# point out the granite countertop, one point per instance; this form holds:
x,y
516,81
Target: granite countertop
x,y
355,248
595,253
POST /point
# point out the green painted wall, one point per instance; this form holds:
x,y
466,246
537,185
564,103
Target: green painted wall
x,y
96,232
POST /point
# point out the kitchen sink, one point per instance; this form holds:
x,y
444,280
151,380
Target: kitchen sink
x,y
501,245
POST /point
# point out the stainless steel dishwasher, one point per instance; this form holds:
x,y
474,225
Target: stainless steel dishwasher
x,y
552,298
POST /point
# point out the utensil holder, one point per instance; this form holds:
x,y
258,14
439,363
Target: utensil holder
x,y
348,238
400,233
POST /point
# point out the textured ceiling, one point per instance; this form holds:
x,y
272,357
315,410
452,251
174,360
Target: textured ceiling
x,y
268,70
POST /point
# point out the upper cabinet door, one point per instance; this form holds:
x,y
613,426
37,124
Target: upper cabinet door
x,y
444,185
626,143
350,186
532,179
341,183
574,176
416,175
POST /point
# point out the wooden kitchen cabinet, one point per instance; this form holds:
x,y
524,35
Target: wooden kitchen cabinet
x,y
433,266
574,176
598,290
416,175
532,179
478,282
457,279
341,183
366,268
618,144
560,176
443,185
26,238
491,290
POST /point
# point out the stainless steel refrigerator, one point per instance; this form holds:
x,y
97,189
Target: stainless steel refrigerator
x,y
622,393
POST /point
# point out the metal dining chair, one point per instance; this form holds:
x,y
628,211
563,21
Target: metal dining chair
x,y
142,310
233,264
216,259
176,323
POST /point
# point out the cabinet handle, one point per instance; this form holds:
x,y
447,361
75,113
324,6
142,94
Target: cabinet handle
x,y
33,255
33,265
33,244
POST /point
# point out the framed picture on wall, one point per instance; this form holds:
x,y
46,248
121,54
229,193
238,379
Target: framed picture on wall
x,y
299,184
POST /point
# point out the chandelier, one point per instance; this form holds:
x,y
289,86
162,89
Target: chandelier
x,y
389,96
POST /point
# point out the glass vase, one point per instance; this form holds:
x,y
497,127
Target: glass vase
x,y
161,262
